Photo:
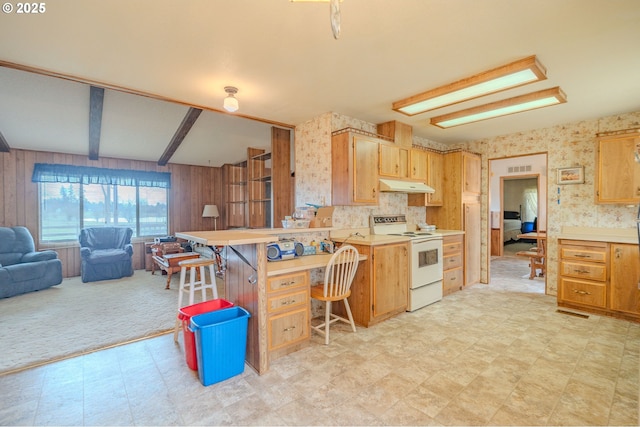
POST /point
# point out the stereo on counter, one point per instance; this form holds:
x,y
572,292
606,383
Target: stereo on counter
x,y
284,249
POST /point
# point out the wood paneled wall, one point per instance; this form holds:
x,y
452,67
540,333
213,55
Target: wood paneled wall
x,y
192,187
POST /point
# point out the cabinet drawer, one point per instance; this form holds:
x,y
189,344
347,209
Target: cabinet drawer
x,y
289,281
452,281
452,245
287,301
584,270
587,293
452,261
288,328
592,254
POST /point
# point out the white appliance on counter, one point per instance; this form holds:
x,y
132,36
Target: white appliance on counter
x,y
426,264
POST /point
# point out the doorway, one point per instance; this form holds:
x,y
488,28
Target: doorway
x,y
517,204
519,207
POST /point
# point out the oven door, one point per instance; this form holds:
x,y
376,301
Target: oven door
x,y
426,262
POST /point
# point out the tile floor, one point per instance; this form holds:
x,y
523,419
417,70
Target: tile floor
x,y
495,354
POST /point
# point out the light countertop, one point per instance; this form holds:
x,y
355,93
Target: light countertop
x,y
450,232
611,235
226,237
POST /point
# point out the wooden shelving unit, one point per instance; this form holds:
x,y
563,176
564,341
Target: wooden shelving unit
x,y
234,179
259,182
259,191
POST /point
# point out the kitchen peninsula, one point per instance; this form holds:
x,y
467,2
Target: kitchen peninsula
x,y
276,294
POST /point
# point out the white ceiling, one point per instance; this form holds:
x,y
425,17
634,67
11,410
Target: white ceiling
x,y
289,68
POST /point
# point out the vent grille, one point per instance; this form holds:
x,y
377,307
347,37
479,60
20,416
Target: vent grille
x,y
519,169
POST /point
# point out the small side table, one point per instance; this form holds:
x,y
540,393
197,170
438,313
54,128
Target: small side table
x,y
169,263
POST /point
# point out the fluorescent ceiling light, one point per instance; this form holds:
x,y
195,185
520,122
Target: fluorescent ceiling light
x,y
518,73
530,101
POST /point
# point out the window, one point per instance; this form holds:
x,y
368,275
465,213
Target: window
x,y
73,197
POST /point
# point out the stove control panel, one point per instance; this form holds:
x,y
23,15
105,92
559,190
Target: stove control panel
x,y
387,219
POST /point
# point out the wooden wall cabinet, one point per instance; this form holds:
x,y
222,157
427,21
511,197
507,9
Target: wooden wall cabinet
x,y
393,161
599,277
434,178
419,165
452,264
354,169
461,207
618,175
471,173
400,133
381,285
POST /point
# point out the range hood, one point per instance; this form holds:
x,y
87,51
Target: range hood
x,y
396,186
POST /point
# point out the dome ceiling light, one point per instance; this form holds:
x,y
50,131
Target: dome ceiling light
x,y
231,102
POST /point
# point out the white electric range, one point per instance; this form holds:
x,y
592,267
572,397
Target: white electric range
x,y
425,286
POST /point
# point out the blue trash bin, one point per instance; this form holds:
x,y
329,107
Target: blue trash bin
x,y
221,343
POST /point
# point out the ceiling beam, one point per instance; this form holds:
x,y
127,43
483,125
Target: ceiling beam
x,y
181,133
96,100
4,145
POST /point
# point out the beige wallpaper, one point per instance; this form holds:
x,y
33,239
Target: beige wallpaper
x,y
567,145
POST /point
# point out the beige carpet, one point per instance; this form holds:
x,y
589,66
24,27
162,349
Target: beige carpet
x,y
75,318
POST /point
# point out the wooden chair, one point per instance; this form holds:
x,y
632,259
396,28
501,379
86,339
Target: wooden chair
x,y
537,259
338,277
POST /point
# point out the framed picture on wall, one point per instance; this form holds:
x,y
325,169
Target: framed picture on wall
x,y
572,175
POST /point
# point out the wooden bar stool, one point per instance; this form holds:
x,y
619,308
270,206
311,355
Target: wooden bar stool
x,y
195,284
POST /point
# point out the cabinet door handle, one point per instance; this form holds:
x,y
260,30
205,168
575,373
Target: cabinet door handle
x,y
581,271
581,292
582,256
290,328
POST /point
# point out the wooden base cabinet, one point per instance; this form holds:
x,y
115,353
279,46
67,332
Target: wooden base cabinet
x,y
452,264
625,279
381,285
599,277
288,313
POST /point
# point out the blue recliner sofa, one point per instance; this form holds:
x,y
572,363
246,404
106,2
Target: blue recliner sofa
x,y
22,269
106,253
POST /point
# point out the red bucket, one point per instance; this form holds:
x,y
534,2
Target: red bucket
x,y
185,315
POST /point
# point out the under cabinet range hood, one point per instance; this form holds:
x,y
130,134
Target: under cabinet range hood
x,y
396,186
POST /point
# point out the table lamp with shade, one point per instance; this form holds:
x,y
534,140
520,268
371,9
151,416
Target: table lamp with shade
x,y
211,211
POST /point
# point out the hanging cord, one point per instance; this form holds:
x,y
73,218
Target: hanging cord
x,y
251,279
356,234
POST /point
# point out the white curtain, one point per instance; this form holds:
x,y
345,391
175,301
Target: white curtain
x,y
530,204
